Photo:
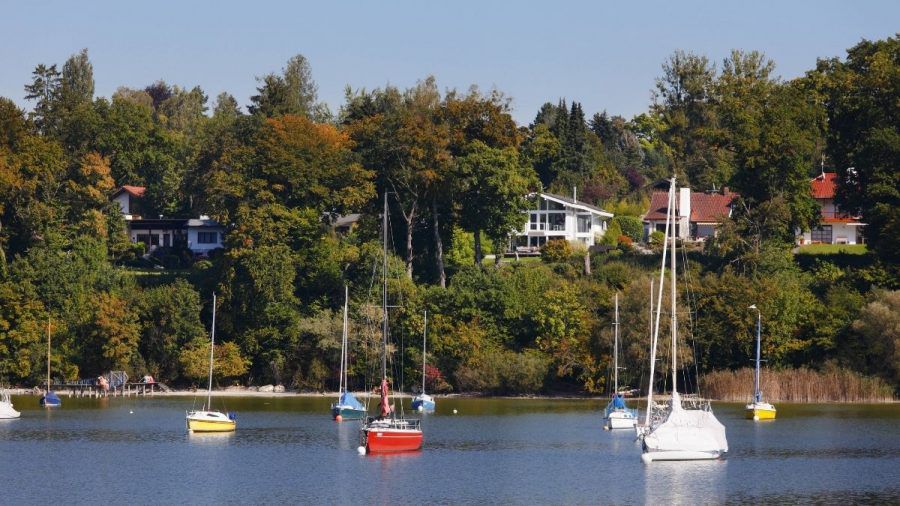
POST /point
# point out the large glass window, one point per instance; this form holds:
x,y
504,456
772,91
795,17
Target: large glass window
x,y
584,223
556,221
207,237
533,221
821,234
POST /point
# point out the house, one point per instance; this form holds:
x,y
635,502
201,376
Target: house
x,y
698,213
556,217
128,198
835,227
201,235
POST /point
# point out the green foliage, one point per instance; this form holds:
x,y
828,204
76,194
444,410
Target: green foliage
x,y
630,226
557,250
613,231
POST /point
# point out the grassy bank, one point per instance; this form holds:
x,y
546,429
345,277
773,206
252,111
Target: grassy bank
x,y
797,385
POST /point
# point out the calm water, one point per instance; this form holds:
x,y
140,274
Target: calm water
x,y
287,450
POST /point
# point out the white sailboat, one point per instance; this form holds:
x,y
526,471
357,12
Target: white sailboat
x,y
424,403
677,431
208,419
7,411
618,415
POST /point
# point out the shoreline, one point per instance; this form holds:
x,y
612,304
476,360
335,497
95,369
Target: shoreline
x,y
248,393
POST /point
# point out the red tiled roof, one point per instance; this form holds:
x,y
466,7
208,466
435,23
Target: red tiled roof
x,y
710,207
705,207
658,204
134,191
823,185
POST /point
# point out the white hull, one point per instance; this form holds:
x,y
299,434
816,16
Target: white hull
x,y
679,455
7,412
620,420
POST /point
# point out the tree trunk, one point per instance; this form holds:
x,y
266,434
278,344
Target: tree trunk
x,y
587,262
498,251
410,219
477,234
438,244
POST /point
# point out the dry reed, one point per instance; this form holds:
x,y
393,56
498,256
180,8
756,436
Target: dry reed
x,y
797,385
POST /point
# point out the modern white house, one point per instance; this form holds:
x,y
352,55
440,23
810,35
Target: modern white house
x,y
201,235
835,227
556,217
697,213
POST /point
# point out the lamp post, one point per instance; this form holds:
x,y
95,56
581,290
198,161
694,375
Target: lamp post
x,y
756,395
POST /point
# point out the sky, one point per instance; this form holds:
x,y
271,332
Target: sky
x,y
606,55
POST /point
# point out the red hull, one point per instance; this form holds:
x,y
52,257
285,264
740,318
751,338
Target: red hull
x,y
392,440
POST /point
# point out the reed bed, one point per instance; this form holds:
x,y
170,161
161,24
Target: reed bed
x,y
797,385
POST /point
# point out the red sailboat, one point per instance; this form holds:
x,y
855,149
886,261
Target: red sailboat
x,y
389,432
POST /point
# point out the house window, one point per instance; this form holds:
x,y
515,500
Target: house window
x,y
207,237
537,242
533,222
584,223
556,221
821,234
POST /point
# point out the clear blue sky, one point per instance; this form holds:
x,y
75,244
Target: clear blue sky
x,y
605,55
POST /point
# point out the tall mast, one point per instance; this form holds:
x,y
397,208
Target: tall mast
x,y
48,354
424,340
670,207
616,347
674,315
756,396
384,308
212,344
341,379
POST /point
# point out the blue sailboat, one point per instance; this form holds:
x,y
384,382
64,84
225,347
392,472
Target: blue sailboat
x,y
423,402
347,406
49,399
617,414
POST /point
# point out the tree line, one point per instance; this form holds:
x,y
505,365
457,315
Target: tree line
x,y
457,170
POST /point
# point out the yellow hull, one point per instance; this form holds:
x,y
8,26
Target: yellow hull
x,y
760,414
211,426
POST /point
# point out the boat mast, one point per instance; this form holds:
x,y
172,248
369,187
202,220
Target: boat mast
x,y
424,341
342,379
662,276
756,395
48,354
384,308
616,348
212,344
674,315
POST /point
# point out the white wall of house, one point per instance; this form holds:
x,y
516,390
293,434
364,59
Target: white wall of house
x,y
560,221
124,201
833,233
202,240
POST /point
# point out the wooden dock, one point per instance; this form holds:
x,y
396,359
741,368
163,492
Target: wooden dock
x,y
92,388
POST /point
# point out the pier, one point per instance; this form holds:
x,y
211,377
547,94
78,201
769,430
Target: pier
x,y
114,384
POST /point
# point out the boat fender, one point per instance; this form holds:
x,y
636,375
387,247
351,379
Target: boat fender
x,y
338,418
361,450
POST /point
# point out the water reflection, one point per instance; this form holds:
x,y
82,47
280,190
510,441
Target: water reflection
x,y
210,438
685,482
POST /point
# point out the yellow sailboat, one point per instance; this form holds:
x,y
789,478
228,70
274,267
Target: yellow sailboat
x,y
758,409
208,419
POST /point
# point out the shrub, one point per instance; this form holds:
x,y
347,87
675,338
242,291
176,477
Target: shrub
x,y
611,237
630,226
556,250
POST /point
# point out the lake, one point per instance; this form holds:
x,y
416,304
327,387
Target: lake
x,y
522,451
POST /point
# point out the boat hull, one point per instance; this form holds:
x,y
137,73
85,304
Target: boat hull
x,y
764,412
679,455
347,413
50,400
620,420
423,405
210,422
7,412
390,436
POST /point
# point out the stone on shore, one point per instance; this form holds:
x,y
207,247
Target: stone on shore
x,y
279,389
267,388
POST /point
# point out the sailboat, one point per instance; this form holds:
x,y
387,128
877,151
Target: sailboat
x,y
678,431
618,415
388,432
7,411
758,409
207,419
424,403
49,399
347,406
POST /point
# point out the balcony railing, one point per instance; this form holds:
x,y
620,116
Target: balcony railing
x,y
838,216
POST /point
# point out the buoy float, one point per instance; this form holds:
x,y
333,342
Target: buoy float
x,y
361,450
421,409
339,418
454,411
130,412
755,418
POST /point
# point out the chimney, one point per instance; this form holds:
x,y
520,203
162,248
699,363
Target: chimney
x,y
575,194
725,190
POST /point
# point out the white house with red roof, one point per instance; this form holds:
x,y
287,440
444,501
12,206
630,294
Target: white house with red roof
x,y
698,213
835,227
201,235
